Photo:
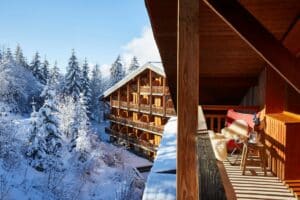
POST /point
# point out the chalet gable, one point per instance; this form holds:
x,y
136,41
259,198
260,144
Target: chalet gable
x,y
154,66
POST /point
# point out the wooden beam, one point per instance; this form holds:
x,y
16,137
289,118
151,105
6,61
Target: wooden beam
x,y
187,98
258,38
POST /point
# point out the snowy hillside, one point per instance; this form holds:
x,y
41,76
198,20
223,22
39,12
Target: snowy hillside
x,y
51,143
109,175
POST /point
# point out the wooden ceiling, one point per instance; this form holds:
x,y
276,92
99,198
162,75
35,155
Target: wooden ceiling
x,y
228,66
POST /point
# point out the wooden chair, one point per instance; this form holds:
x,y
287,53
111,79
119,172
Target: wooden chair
x,y
256,147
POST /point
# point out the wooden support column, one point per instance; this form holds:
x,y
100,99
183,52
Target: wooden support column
x,y
150,97
119,98
187,98
164,97
138,92
128,95
275,92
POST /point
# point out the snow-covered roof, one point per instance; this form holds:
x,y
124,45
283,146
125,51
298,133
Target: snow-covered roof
x,y
154,66
161,185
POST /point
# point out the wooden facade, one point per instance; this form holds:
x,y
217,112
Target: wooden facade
x,y
139,109
230,54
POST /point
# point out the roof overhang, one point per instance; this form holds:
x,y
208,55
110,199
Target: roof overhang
x,y
153,66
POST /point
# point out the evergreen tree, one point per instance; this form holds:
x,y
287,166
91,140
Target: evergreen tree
x,y
116,71
73,78
86,88
35,67
80,140
1,56
8,55
37,144
19,57
133,65
54,75
97,88
44,150
49,128
45,71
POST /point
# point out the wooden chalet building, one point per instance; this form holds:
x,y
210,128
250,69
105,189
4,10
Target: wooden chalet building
x,y
224,54
140,106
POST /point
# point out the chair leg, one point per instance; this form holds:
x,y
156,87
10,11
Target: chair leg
x,y
263,160
243,157
245,160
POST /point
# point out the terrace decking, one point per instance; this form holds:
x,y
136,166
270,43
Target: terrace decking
x,y
223,180
254,185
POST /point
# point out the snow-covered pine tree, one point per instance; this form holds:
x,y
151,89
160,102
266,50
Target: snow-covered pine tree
x,y
49,129
80,141
8,55
117,71
1,56
73,78
97,88
35,67
86,88
54,76
45,71
19,57
36,142
133,65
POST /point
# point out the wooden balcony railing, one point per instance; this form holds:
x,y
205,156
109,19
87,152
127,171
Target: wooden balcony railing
x,y
170,111
124,104
145,107
144,89
133,106
158,89
138,124
158,110
215,115
115,103
133,140
282,143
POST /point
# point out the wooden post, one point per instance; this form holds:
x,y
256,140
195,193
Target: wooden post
x,y
164,97
119,98
275,92
138,92
128,95
187,98
150,97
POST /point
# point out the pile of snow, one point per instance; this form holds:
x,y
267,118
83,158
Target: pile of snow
x,y
161,183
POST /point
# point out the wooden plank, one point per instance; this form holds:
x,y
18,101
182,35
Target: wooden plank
x,y
227,107
187,98
229,190
258,38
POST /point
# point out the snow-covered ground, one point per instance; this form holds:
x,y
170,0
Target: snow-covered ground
x,y
161,182
109,176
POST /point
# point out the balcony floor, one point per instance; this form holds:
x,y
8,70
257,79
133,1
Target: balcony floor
x,y
254,185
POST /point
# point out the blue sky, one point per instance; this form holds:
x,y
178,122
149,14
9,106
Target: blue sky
x,y
96,29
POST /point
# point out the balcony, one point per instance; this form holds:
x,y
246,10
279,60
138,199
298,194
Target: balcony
x,y
170,112
158,89
123,104
145,107
115,103
157,109
133,140
144,89
133,106
138,124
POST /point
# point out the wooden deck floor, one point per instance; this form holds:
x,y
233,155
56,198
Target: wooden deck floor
x,y
254,185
